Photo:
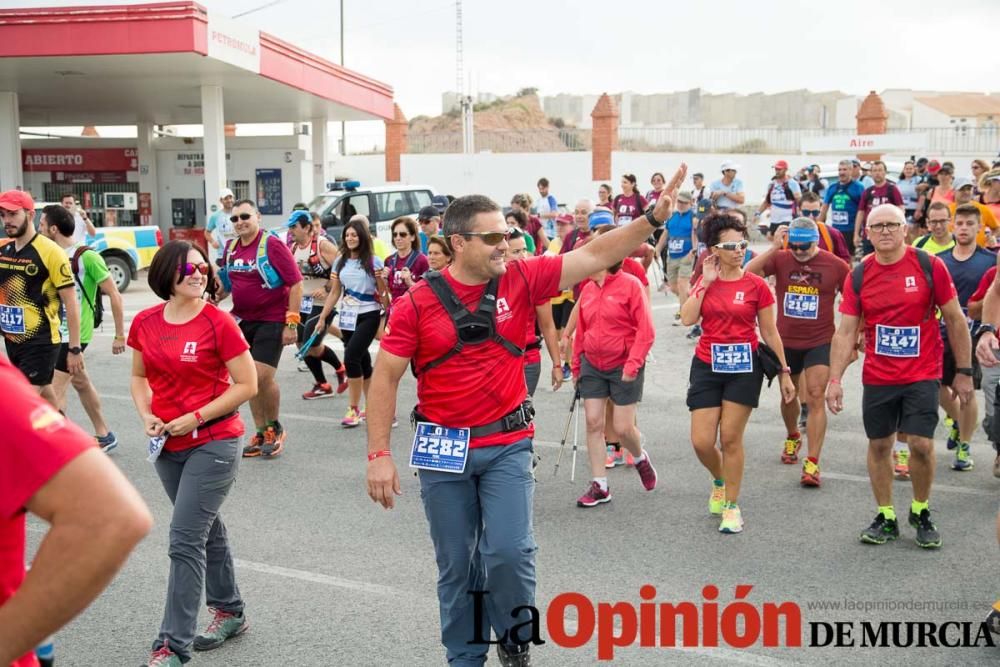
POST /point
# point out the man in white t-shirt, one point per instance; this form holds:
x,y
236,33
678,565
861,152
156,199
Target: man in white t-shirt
x,y
727,192
84,227
220,229
547,208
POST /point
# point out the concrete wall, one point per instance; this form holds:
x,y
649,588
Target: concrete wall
x,y
925,116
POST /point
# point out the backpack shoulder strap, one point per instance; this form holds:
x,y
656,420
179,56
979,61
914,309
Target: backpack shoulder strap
x,y
922,241
928,269
452,304
825,233
858,279
74,261
411,259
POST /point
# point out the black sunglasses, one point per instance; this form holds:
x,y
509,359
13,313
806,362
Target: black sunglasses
x,y
241,216
811,214
799,247
400,235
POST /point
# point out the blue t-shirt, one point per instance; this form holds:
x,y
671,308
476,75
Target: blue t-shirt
x,y
423,241
679,228
735,187
966,276
360,289
843,201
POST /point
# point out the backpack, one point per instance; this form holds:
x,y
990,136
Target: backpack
x,y
97,305
477,327
858,277
410,261
264,267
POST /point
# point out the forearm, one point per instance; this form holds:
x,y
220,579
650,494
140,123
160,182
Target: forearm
x,y
295,298
976,310
691,309
840,353
756,265
229,401
91,229
859,223
603,251
142,396
548,328
959,339
381,412
770,336
118,314
331,299
72,320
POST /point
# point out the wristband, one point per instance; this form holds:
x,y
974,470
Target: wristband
x,y
117,337
834,380
197,415
293,318
375,455
651,219
786,370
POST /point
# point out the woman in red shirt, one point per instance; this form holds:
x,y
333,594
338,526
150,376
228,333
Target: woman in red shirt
x,y
614,333
407,265
726,376
629,204
191,370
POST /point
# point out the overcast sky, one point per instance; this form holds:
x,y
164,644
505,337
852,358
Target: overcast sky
x,y
593,46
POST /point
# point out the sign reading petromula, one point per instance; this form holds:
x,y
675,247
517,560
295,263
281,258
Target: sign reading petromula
x,y
233,42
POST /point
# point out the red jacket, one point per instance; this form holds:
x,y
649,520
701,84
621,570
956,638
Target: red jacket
x,y
614,324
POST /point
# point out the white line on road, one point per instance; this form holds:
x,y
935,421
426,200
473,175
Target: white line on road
x,y
317,578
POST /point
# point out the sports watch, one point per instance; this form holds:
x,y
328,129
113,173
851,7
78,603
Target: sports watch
x,y
983,328
656,224
964,371
75,350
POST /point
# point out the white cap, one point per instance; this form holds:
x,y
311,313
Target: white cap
x,y
729,164
226,192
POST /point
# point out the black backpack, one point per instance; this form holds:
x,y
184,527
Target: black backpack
x,y
858,277
97,305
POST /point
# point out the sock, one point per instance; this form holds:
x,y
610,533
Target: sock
x,y
814,459
795,436
899,446
730,505
917,507
889,512
616,445
330,357
602,482
718,482
316,368
640,458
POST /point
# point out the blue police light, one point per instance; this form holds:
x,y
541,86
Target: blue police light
x,y
344,185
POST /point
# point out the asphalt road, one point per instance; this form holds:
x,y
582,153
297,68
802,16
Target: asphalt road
x,y
331,579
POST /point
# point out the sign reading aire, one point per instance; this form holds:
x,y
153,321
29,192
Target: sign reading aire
x,y
233,42
866,143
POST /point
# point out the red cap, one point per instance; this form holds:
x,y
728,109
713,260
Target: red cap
x,y
781,164
933,167
13,200
565,218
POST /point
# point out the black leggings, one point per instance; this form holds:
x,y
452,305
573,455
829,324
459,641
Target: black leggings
x,y
357,359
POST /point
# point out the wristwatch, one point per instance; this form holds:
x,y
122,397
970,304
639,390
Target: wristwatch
x,y
656,224
983,328
75,350
964,371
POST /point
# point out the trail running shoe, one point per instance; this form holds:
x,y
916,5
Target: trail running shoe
x,y
791,452
594,496
963,461
222,627
164,657
732,520
253,449
647,473
629,459
567,373
341,381
319,390
514,656
901,464
810,474
953,434
881,531
928,536
694,333
351,419
717,500
803,417
302,367
107,442
993,620
614,457
274,441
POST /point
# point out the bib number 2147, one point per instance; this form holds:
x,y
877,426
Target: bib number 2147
x,y
440,448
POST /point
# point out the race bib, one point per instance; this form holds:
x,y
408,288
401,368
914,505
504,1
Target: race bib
x,y
440,448
624,220
12,319
839,218
897,341
156,444
348,319
731,358
801,306
307,305
676,245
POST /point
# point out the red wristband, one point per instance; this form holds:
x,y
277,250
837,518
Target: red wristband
x,y
374,455
197,415
834,381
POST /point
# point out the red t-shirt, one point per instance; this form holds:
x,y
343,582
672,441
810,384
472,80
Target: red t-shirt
x,y
38,442
893,296
484,382
628,208
806,292
251,300
729,312
186,367
634,268
876,195
984,285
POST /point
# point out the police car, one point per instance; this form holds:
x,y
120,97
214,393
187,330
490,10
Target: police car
x,y
381,205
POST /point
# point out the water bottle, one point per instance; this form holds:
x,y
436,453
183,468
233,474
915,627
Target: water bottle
x,y
46,653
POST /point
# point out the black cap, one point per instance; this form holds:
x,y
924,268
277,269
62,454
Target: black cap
x,y
428,212
922,161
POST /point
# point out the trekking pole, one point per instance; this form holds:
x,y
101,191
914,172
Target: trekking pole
x,y
301,354
569,420
576,433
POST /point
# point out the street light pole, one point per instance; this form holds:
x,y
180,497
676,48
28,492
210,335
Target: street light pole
x,y
343,125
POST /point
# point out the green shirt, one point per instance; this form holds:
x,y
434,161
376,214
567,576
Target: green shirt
x,y
91,272
931,246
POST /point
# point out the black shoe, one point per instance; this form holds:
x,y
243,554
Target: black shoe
x,y
803,417
928,536
881,531
993,620
514,656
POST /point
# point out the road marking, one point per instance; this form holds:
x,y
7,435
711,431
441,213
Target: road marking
x,y
326,579
935,487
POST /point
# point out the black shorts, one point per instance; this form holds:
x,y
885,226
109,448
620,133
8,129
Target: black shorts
x,y
561,313
708,389
37,361
907,408
799,360
265,340
596,383
61,364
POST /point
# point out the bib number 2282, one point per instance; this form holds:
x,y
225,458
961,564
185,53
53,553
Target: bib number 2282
x,y
440,448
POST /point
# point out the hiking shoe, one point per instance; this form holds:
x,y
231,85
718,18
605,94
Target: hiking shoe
x,y
881,531
253,449
613,457
319,390
303,367
694,333
107,442
993,620
629,459
274,441
962,460
567,373
732,520
647,473
901,464
677,317
341,381
164,657
351,419
928,536
791,452
395,421
514,656
810,474
953,435
222,627
803,417
717,501
595,495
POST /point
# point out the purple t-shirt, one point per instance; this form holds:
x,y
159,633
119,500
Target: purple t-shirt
x,y
251,300
397,286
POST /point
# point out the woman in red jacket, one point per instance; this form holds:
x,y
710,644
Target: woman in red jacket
x,y
614,333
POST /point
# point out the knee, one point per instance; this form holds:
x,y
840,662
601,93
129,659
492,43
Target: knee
x,y
80,381
922,448
595,424
815,395
731,442
510,556
621,425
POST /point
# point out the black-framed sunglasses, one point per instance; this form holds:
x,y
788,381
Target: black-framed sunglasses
x,y
490,238
811,214
800,247
241,216
400,235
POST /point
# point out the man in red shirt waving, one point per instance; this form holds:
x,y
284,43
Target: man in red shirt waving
x,y
464,330
54,470
896,291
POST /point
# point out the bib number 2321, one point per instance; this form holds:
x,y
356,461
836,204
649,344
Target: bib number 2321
x,y
731,358
897,341
440,448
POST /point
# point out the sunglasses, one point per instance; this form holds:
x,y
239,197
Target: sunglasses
x,y
811,214
882,227
241,216
732,245
400,235
490,238
187,269
800,247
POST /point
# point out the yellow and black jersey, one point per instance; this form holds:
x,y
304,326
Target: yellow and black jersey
x,y
29,283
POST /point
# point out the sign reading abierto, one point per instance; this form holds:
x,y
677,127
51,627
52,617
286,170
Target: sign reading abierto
x,y
233,42
865,143
79,159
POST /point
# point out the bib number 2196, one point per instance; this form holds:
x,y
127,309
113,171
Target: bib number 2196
x,y
440,448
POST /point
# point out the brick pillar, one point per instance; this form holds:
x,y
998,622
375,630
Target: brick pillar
x,y
229,130
872,119
395,144
89,131
605,137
